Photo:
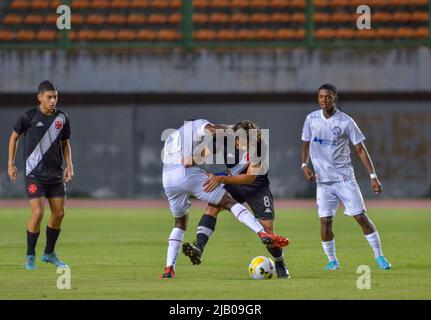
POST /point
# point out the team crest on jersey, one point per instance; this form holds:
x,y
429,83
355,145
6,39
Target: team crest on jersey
x,y
336,131
32,188
58,124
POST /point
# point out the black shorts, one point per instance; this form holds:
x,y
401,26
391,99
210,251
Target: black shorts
x,y
37,189
259,199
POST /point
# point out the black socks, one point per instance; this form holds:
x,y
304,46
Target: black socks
x,y
205,229
31,242
51,239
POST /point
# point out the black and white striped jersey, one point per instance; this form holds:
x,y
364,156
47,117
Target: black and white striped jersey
x,y
43,156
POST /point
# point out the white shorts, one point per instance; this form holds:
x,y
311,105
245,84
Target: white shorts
x,y
329,195
181,183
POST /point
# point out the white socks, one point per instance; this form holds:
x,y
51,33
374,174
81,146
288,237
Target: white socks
x,y
329,248
242,214
374,241
175,240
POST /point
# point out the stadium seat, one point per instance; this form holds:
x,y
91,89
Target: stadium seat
x,y
285,34
159,4
204,35
246,34
401,16
40,4
77,19
51,19
260,18
239,18
405,33
120,4
25,35
422,32
47,35
168,35
200,18
280,18
136,18
239,4
116,19
19,4
324,34
226,35
265,34
6,35
14,19
33,19
174,18
298,17
420,16
341,17
385,33
258,4
157,18
126,35
146,35
219,4
320,17
175,4
106,35
86,35
219,18
278,4
100,4
345,33
95,19
80,4
139,4
381,17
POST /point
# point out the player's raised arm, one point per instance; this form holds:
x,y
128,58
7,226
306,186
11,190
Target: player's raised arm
x,y
305,157
13,145
363,154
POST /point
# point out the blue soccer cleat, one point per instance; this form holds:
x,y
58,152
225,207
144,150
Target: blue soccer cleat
x,y
52,258
332,265
383,263
30,262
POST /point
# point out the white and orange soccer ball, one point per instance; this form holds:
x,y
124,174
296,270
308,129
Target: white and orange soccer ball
x,y
261,268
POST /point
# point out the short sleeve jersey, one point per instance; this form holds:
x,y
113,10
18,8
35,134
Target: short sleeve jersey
x,y
43,134
329,144
183,142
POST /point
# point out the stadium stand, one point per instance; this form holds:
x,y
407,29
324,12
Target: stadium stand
x,y
214,21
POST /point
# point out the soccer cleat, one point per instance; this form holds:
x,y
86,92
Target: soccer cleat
x,y
271,238
30,262
383,263
282,271
332,265
193,252
169,273
52,258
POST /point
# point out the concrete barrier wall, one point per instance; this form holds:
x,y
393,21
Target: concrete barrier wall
x,y
296,70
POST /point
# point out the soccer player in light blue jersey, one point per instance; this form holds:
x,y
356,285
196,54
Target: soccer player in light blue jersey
x,y
326,135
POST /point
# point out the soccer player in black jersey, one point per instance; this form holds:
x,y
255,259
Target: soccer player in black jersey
x,y
245,185
46,132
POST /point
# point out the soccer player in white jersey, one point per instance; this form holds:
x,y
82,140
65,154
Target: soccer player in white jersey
x,y
182,178
326,135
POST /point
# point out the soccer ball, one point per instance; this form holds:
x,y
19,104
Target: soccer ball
x,y
261,268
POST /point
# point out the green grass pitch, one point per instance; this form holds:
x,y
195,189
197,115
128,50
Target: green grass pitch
x,y
120,254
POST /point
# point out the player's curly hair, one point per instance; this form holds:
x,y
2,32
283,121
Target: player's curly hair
x,y
248,125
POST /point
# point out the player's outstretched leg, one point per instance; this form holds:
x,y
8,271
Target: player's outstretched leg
x,y
193,252
205,229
